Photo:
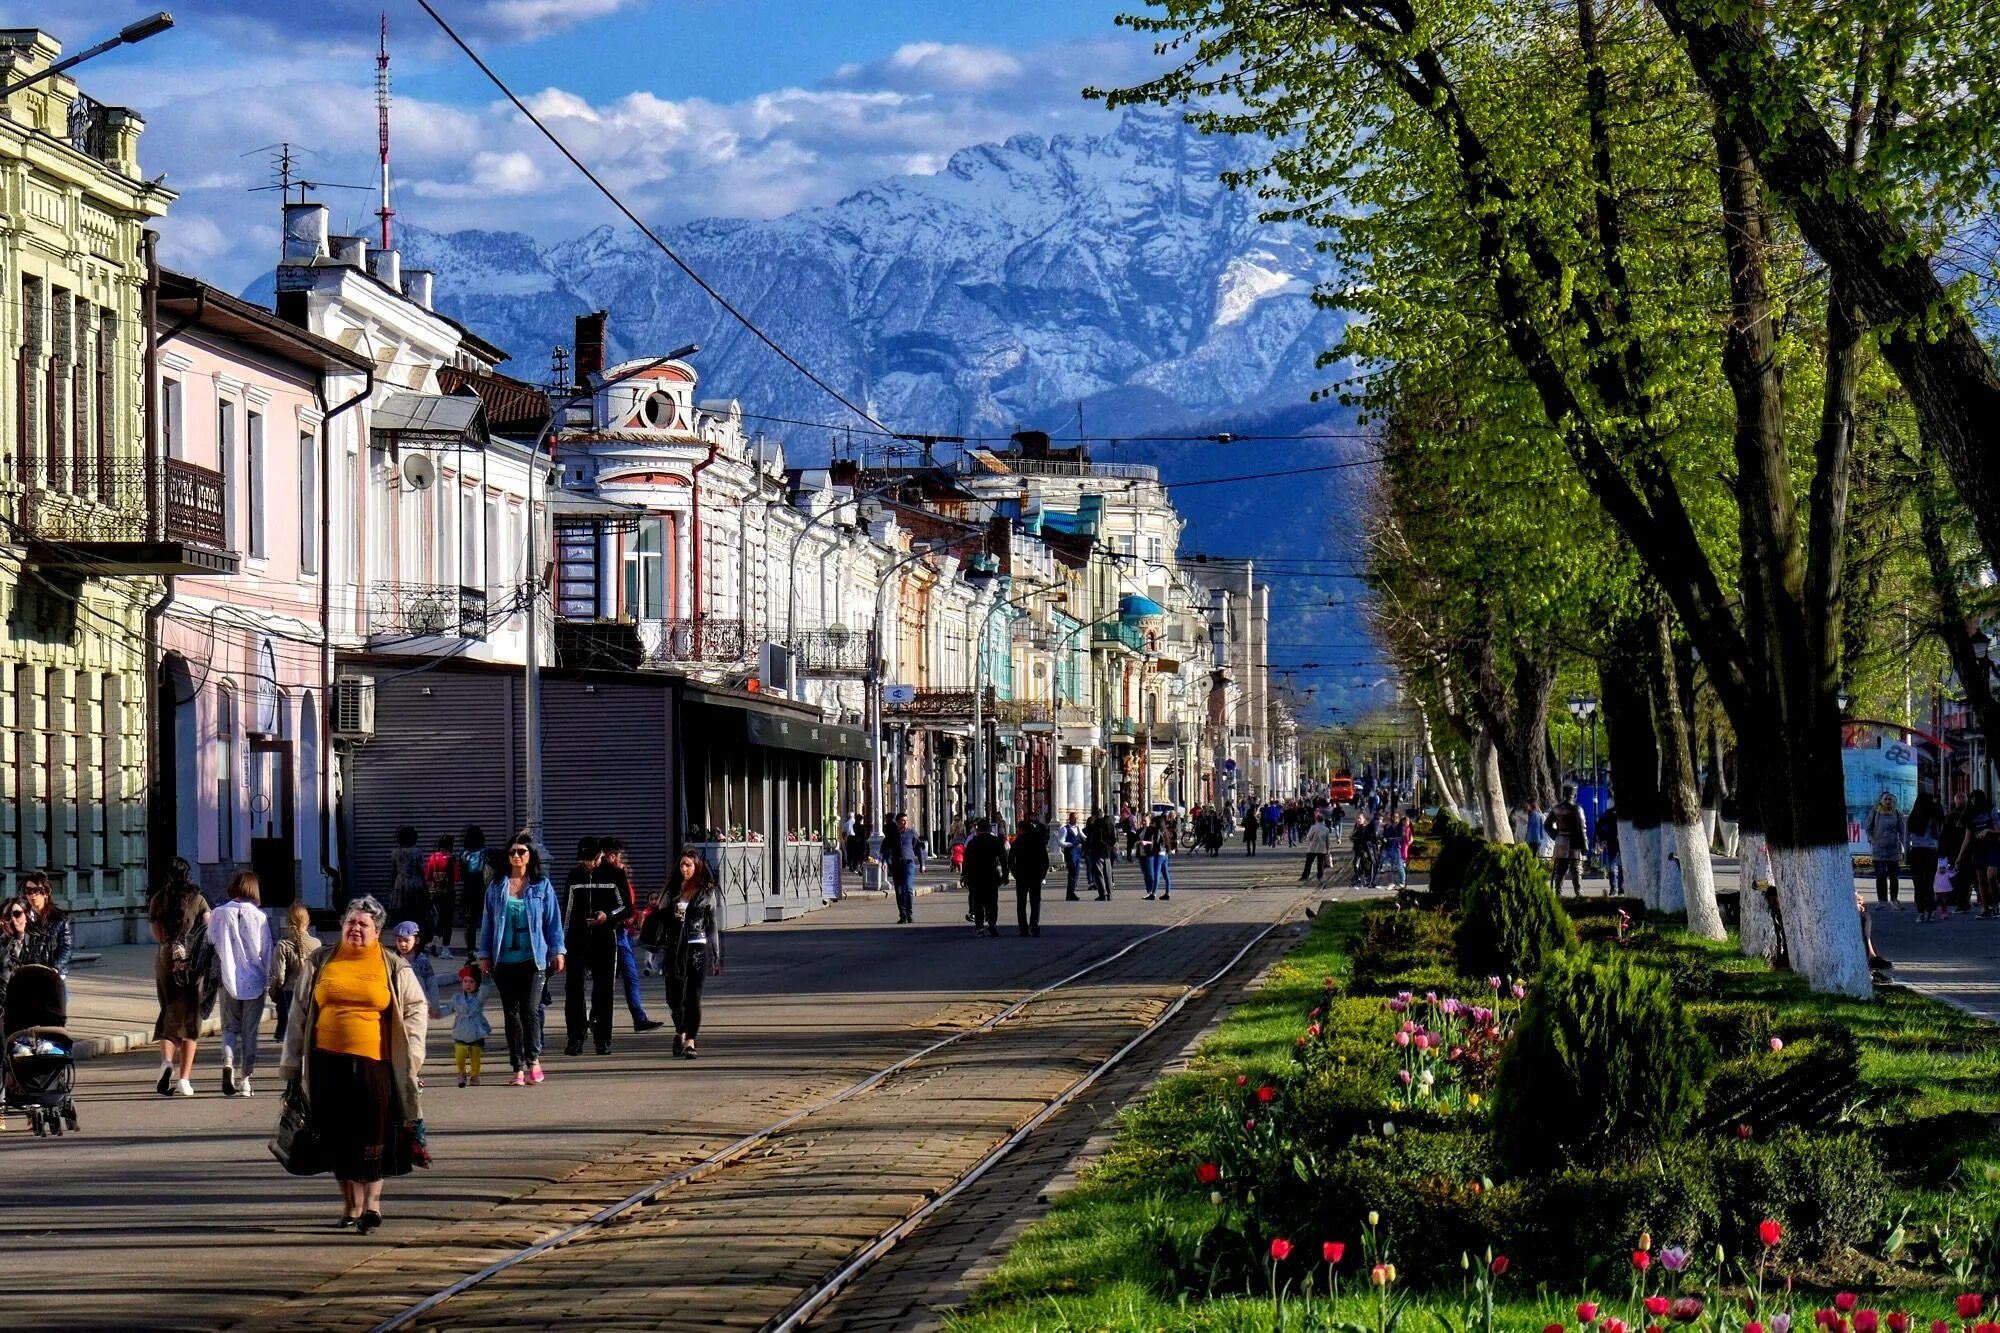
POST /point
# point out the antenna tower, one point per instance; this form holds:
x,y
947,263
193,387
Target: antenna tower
x,y
382,125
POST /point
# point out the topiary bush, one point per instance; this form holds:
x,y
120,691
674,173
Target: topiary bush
x,y
1827,1190
1569,1219
1454,857
1510,922
1605,1063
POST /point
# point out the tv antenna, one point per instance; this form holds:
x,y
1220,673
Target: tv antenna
x,y
385,212
285,177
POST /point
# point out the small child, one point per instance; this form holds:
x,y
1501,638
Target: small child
x,y
469,1028
408,936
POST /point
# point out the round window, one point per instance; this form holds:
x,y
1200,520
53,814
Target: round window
x,y
659,409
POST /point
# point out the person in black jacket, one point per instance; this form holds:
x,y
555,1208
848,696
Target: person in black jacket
x,y
597,900
1100,845
984,872
1028,862
693,945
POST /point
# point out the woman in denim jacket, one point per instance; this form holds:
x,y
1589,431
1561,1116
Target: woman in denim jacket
x,y
520,940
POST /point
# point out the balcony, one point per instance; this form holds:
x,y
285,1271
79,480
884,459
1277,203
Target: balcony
x,y
119,517
833,652
1118,634
703,640
1066,467
936,706
426,610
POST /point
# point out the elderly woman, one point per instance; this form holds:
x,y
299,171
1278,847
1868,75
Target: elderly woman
x,y
355,1044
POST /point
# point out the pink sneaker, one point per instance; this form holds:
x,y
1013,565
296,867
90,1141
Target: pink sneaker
x,y
535,1074
519,1080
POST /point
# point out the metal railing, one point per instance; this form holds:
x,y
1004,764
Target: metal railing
x,y
938,705
1064,467
91,499
700,639
826,650
1118,634
426,609
193,510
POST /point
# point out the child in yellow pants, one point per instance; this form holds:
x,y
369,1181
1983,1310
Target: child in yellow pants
x,y
469,1026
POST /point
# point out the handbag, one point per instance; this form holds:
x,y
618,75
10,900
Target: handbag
x,y
657,930
297,1145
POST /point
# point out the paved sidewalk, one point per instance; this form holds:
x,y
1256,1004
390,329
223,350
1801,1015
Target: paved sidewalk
x,y
1956,960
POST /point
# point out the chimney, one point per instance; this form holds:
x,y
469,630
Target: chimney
x,y
305,233
351,251
387,266
590,345
1000,542
844,472
417,286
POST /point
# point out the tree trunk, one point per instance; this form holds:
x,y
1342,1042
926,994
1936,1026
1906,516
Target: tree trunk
x,y
1687,873
1441,783
1488,787
1801,794
1630,742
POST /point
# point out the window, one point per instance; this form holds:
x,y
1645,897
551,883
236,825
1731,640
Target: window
x,y
253,481
225,463
497,563
308,503
1156,549
472,571
1125,543
225,773
175,437
645,572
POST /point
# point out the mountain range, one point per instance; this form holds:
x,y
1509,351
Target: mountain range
x,y
1111,280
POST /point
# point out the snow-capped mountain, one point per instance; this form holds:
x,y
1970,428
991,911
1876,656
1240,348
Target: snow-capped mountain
x,y
1019,281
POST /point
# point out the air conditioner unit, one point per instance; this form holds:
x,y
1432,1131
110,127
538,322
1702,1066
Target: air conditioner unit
x,y
777,668
353,708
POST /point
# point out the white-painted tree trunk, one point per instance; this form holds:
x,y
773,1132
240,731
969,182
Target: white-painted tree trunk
x,y
1491,790
1758,936
1708,825
1698,883
1642,863
1822,925
1670,895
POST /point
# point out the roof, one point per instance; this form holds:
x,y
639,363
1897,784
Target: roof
x,y
187,302
573,504
431,417
513,407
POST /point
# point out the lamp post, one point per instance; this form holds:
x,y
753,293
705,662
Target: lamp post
x,y
131,34
532,693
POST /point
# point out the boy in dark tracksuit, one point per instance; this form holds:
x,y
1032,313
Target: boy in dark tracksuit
x,y
597,900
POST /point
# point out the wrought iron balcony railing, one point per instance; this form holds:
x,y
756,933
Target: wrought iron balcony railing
x,y
422,610
832,651
937,706
701,639
1118,634
86,499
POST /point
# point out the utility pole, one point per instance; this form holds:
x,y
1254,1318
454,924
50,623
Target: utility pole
x,y
385,212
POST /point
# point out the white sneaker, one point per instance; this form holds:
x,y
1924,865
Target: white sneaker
x,y
183,1088
445,952
243,1088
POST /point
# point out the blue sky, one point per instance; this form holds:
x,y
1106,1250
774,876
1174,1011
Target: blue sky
x,y
690,107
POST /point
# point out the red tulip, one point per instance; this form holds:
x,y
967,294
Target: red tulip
x,y
1687,1309
1846,1301
1281,1249
1208,1173
1743,1131
1241,1079
1970,1304
1615,1325
1586,1312
1332,1251
1753,1327
1656,1328
1267,1093
1313,1031
1899,1322
1986,1326
1866,1321
1499,1264
1939,1326
1641,1260
1823,1318
1769,1232
1553,1328
1656,1306
1251,1123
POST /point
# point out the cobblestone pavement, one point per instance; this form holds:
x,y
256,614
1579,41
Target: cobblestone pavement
x,y
168,1213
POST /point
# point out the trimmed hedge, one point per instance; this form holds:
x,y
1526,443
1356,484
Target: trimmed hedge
x,y
1828,1191
1510,921
1606,1063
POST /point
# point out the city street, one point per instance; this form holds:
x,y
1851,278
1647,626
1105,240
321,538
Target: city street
x,y
170,1213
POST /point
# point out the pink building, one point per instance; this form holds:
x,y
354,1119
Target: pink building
x,y
245,659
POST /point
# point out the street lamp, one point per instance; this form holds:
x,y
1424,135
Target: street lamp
x,y
532,695
132,33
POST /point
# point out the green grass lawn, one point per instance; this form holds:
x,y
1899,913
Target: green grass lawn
x,y
1090,1264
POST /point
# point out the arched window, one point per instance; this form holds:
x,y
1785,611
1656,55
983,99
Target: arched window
x,y
225,772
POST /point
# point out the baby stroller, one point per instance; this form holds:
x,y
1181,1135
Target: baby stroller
x,y
37,1071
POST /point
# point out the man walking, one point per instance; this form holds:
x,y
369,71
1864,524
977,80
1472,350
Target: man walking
x,y
1564,827
900,849
1316,841
1100,844
597,905
613,850
1028,862
984,871
1072,845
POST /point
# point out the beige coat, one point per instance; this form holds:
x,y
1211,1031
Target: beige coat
x,y
405,1037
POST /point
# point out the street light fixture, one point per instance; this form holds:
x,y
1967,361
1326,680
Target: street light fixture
x,y
132,33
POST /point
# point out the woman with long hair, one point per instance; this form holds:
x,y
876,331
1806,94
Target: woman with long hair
x,y
183,975
520,940
355,1046
51,936
1925,827
296,946
693,941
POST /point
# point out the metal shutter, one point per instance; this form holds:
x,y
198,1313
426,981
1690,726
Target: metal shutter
x,y
606,754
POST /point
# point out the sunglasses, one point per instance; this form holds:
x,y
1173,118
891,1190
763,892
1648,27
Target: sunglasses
x,y
19,913
517,851
36,891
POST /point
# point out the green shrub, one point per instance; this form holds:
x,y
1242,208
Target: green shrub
x,y
1732,1029
1424,1223
1412,972
1575,1216
1808,1083
1688,967
1510,922
1606,1062
1394,942
1448,868
1827,1190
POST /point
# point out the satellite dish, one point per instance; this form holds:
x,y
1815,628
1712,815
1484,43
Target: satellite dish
x,y
419,472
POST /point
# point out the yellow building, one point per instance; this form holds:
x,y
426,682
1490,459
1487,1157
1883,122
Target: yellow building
x,y
91,519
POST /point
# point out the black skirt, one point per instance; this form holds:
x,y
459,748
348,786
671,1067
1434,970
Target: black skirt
x,y
353,1114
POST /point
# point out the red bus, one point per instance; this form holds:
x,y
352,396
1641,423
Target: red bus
x,y
1341,788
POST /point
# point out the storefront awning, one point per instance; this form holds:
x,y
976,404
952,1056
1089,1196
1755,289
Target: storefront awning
x,y
1132,606
776,727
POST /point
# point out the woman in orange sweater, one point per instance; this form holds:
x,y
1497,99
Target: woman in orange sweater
x,y
355,1045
